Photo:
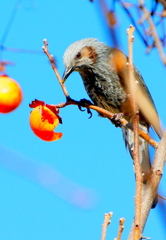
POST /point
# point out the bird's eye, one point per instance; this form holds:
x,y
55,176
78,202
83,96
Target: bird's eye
x,y
78,56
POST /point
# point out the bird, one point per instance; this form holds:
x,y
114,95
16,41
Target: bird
x,y
104,73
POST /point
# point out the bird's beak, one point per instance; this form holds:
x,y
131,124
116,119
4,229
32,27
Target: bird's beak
x,y
66,74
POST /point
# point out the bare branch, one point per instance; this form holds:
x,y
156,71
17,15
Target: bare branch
x,y
111,20
154,31
132,91
107,217
110,115
152,184
121,228
52,61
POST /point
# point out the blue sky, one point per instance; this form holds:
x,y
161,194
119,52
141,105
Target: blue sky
x,y
62,189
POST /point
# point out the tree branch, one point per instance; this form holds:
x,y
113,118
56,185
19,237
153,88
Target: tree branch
x,y
138,174
152,184
121,228
154,32
107,217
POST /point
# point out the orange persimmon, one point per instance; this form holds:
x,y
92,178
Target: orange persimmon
x,y
10,94
43,122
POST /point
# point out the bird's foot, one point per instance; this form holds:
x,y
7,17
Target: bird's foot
x,y
85,103
82,103
116,119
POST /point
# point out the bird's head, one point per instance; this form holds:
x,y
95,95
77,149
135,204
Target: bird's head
x,y
83,54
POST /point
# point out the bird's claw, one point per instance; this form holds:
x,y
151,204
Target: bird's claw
x,y
89,112
116,119
80,108
84,103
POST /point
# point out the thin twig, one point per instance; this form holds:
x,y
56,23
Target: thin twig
x,y
142,237
121,228
137,165
10,22
152,184
161,197
144,17
107,217
52,61
111,20
20,50
133,22
3,65
110,115
154,31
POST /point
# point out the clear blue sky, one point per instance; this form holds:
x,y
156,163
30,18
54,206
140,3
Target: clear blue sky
x,y
61,190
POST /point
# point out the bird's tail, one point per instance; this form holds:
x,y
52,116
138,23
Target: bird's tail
x,y
143,154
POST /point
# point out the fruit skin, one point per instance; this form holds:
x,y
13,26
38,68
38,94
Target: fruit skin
x,y
10,94
43,122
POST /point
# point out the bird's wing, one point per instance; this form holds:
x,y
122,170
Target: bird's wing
x,y
145,103
142,95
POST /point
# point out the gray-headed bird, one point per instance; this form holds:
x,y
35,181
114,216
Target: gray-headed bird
x,y
105,76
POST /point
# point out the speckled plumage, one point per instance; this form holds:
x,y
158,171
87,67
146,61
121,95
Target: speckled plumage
x,y
103,71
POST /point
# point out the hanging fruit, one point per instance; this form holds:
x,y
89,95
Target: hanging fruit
x,y
43,120
10,94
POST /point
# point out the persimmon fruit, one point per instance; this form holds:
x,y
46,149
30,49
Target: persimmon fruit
x,y
10,94
43,122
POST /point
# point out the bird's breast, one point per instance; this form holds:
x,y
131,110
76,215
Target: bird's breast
x,y
104,90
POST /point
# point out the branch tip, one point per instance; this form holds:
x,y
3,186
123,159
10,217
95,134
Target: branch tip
x,y
45,41
107,217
